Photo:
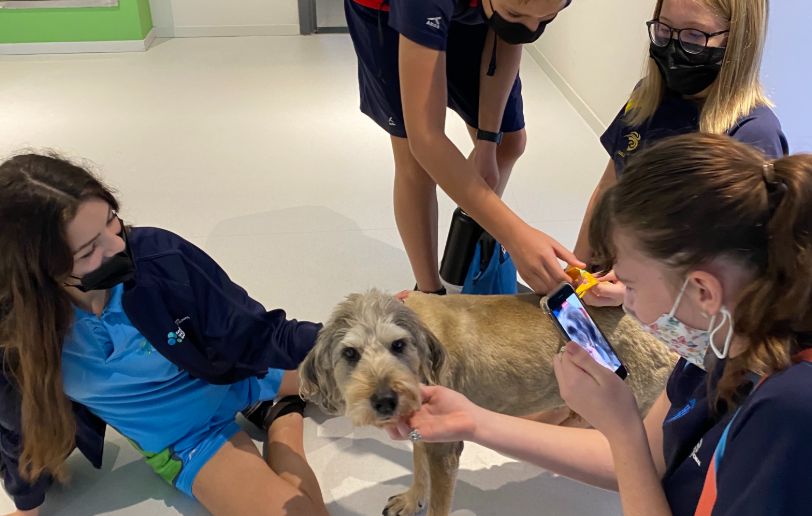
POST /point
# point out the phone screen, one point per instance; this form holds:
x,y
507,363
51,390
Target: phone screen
x,y
581,329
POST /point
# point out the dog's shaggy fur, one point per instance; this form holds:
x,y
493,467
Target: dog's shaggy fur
x,y
372,354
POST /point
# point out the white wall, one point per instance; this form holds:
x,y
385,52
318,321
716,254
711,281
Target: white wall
x,y
594,52
190,18
787,69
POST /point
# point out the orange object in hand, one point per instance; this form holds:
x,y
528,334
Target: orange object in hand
x,y
581,280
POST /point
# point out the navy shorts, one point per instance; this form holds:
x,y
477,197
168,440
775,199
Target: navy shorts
x,y
379,81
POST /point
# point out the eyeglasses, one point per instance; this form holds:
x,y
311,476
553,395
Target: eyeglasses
x,y
692,41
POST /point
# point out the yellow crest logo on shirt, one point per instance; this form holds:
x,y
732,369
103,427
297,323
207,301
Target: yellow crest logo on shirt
x,y
634,141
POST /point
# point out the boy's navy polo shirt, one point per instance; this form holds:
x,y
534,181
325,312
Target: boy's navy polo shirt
x,y
457,27
767,466
676,115
427,22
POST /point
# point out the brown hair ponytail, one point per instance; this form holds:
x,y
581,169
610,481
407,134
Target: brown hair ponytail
x,y
776,308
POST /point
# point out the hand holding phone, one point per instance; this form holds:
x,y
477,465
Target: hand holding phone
x,y
573,321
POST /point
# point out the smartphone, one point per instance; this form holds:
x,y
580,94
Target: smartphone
x,y
573,321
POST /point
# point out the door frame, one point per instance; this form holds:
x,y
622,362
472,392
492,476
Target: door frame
x,y
308,20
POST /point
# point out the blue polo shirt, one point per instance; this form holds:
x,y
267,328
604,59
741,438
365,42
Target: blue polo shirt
x,y
676,115
109,367
767,466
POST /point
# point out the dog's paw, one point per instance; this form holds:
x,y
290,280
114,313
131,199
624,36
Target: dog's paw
x,y
403,504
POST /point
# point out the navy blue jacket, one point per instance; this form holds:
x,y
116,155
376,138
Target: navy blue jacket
x,y
228,337
676,115
766,467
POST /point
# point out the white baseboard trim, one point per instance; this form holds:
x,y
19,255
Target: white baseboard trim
x,y
79,47
206,31
580,105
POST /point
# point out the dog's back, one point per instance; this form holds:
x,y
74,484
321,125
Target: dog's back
x,y
501,349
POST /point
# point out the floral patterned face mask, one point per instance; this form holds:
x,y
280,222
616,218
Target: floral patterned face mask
x,y
689,343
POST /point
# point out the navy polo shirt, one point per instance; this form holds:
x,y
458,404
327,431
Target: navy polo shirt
x,y
767,466
427,22
675,116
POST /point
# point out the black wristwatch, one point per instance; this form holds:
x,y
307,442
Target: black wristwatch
x,y
489,136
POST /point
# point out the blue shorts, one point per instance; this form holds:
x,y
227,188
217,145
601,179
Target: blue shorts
x,y
376,45
180,467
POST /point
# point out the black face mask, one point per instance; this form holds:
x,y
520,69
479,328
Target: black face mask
x,y
512,32
684,73
117,269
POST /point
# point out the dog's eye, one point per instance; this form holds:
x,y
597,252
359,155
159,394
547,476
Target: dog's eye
x,y
351,354
398,346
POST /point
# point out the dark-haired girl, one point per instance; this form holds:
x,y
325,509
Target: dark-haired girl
x,y
138,329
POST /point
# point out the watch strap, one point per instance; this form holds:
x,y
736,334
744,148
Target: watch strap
x,y
489,136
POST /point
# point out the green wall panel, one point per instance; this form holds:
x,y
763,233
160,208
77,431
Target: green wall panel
x,y
131,20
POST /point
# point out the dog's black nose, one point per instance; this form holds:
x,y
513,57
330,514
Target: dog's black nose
x,y
384,403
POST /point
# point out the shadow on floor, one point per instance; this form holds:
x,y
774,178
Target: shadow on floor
x,y
507,489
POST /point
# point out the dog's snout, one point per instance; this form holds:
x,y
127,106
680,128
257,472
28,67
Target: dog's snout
x,y
384,403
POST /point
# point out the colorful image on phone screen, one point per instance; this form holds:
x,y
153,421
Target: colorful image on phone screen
x,y
579,327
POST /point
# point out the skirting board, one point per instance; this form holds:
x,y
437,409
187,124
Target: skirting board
x,y
79,47
569,92
205,31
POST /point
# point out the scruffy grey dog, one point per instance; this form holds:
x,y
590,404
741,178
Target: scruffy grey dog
x,y
375,350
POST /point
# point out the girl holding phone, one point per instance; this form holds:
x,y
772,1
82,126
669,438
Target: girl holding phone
x,y
733,298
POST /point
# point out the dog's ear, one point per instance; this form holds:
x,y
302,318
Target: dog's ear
x,y
316,380
308,377
435,372
433,354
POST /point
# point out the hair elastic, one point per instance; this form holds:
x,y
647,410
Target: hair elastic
x,y
776,188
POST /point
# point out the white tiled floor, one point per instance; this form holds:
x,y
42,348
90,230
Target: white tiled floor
x,y
254,149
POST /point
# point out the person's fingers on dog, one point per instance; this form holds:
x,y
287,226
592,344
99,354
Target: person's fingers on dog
x,y
427,391
400,429
436,401
446,415
439,398
442,426
402,295
395,432
425,423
